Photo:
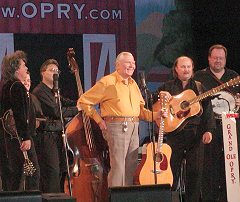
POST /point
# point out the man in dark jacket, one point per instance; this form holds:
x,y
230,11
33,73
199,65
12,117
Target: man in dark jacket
x,y
16,141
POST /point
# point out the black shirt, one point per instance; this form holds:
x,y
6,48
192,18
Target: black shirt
x,y
206,77
51,109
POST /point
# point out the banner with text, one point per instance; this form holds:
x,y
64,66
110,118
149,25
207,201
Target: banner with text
x,y
231,156
98,30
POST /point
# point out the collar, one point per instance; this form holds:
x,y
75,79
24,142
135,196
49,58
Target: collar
x,y
179,82
45,86
209,70
120,78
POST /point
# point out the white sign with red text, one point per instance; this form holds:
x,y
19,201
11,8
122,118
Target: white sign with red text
x,y
231,156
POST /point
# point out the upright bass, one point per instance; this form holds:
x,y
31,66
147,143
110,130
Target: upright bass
x,y
89,163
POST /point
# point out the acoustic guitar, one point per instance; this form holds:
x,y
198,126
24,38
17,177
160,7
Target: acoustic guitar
x,y
160,154
185,105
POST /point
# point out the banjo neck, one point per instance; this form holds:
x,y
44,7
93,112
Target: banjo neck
x,y
231,82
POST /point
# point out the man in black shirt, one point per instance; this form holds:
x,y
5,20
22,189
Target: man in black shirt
x,y
49,143
214,180
185,140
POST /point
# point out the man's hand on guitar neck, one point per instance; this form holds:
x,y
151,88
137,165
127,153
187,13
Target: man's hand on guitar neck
x,y
163,112
166,94
207,138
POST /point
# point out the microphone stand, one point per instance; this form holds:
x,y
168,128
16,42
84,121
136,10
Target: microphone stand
x,y
151,130
58,98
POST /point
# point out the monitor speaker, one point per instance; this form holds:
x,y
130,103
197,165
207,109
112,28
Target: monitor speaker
x,y
141,193
20,196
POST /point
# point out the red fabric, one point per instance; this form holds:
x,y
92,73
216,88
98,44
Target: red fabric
x,y
123,28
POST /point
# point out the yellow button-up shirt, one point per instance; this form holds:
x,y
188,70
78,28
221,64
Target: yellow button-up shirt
x,y
115,98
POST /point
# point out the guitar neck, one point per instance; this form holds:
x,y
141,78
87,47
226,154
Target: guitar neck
x,y
161,124
160,135
25,155
215,90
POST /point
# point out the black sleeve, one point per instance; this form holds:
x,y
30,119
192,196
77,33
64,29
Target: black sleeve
x,y
69,108
20,108
207,118
51,109
37,106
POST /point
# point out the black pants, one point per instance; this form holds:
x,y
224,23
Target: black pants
x,y
49,147
12,166
186,146
214,179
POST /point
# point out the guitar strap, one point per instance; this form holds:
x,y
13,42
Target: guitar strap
x,y
200,91
199,87
218,80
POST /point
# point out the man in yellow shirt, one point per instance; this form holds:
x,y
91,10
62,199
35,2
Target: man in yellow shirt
x,y
121,106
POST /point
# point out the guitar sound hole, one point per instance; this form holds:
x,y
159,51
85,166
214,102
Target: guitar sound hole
x,y
184,105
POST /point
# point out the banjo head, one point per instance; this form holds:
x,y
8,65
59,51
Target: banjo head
x,y
223,101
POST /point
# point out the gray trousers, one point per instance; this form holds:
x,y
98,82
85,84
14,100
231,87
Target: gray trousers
x,y
123,149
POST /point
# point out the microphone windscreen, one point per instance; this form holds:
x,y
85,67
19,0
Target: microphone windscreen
x,y
142,80
55,81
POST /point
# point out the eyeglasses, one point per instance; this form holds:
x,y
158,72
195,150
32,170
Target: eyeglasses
x,y
54,70
219,58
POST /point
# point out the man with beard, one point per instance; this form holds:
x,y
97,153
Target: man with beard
x,y
214,180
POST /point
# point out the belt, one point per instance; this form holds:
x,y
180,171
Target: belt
x,y
121,119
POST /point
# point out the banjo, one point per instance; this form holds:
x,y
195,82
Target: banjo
x,y
223,101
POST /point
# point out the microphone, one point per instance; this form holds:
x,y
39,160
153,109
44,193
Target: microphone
x,y
55,82
143,85
55,86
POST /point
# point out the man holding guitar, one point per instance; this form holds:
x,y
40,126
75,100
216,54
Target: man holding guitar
x,y
121,105
185,139
214,183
